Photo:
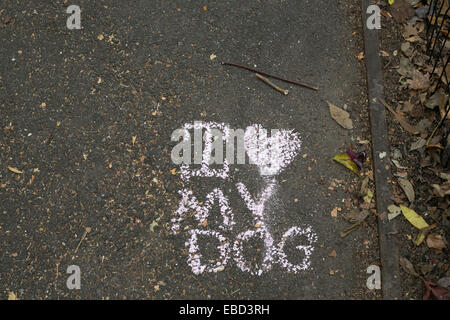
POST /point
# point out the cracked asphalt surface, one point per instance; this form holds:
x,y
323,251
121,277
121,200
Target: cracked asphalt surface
x,y
71,102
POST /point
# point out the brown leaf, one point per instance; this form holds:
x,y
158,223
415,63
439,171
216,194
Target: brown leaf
x,y
436,291
417,144
419,81
405,125
408,266
410,31
334,212
356,215
407,49
405,67
407,188
439,99
442,190
9,20
15,170
401,11
341,116
435,241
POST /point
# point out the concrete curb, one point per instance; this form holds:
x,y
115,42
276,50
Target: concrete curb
x,y
389,249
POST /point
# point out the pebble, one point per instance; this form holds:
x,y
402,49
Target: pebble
x,y
422,11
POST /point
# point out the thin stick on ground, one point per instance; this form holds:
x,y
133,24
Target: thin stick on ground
x,y
437,127
273,85
302,84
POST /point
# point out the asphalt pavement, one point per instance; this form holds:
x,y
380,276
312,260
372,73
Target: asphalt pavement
x,y
86,176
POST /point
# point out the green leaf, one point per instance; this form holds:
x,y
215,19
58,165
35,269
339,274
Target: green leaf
x,y
347,162
416,220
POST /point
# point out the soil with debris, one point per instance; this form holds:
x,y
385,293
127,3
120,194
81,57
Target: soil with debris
x,y
409,88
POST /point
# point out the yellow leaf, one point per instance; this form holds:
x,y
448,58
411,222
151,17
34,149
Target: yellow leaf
x,y
368,197
420,238
346,161
12,296
334,212
416,220
15,170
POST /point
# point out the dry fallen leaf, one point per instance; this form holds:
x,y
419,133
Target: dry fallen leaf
x,y
435,241
401,11
334,213
417,144
15,170
408,266
332,254
356,215
434,290
341,116
438,99
407,188
409,31
443,189
394,211
419,81
405,125
405,68
12,296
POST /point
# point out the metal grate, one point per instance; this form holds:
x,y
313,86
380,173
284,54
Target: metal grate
x,y
438,22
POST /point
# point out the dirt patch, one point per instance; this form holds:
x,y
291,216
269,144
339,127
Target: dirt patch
x,y
409,87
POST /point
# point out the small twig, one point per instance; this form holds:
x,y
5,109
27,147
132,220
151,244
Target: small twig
x,y
86,231
273,85
235,292
271,75
437,127
350,229
405,125
82,238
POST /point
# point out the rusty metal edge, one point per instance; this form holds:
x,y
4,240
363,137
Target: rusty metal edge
x,y
389,247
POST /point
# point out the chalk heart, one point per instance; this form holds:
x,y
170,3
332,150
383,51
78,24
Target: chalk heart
x,y
271,154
